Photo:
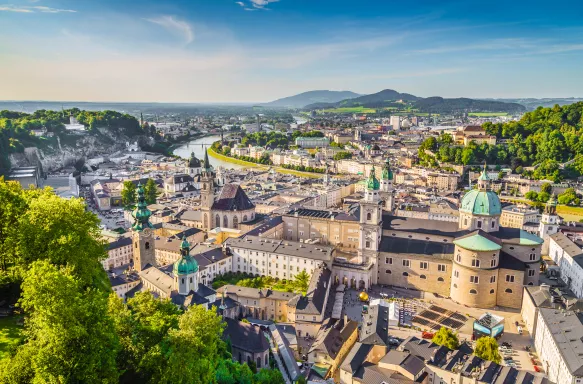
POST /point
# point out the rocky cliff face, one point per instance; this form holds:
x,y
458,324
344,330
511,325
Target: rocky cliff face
x,y
67,151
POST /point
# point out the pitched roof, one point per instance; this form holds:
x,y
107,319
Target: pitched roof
x,y
416,247
375,326
232,198
314,301
245,336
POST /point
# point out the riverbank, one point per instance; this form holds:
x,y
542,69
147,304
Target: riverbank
x,y
229,159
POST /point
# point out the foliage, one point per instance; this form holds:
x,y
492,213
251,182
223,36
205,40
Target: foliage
x,y
531,195
334,144
301,380
298,284
569,197
298,133
268,376
264,139
128,194
342,155
150,191
69,336
546,187
487,349
302,168
543,197
446,337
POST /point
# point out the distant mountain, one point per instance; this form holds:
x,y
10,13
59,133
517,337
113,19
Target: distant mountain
x,y
532,103
389,98
311,97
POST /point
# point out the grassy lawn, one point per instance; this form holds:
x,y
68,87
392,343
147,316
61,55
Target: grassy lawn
x,y
487,114
570,213
264,167
359,109
10,334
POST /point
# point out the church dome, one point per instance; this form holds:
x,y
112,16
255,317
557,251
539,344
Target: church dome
x,y
185,266
480,202
194,162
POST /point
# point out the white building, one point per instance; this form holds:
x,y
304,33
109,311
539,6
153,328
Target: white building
x,y
281,259
396,122
569,258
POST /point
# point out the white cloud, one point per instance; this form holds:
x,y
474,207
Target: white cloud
x,y
175,26
33,9
262,3
253,5
242,4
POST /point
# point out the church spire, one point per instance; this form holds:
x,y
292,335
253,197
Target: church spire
x,y
373,182
141,214
387,172
484,180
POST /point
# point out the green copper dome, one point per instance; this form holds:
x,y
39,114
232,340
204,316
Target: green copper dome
x,y
480,202
141,214
387,173
372,182
187,264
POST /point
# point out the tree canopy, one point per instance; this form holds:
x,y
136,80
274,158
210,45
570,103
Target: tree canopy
x,y
447,338
487,349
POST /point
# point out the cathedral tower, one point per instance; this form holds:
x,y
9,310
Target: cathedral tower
x,y
142,236
185,270
207,195
370,221
549,224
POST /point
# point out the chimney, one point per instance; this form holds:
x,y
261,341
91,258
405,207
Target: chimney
x,y
345,319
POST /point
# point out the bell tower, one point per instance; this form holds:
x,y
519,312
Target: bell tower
x,y
142,234
549,224
207,193
370,221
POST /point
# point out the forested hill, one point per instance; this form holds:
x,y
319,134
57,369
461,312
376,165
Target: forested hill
x,y
305,98
16,128
394,100
551,139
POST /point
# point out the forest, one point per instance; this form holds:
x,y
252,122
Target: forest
x,y
548,139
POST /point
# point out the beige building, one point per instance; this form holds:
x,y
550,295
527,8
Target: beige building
x,y
514,216
263,304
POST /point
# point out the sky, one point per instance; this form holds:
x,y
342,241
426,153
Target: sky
x,y
204,51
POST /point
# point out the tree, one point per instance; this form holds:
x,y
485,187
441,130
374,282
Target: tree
x,y
128,194
301,281
568,197
13,205
301,380
269,376
531,195
150,191
546,187
64,233
190,354
447,338
543,197
487,349
142,325
342,155
69,337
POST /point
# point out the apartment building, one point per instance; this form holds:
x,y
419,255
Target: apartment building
x,y
515,216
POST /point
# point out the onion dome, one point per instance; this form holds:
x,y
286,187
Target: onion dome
x,y
187,264
141,214
372,182
482,201
387,172
194,162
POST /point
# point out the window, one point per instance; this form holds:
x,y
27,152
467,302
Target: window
x,y
225,221
388,260
475,263
147,245
440,279
423,277
510,278
235,222
458,258
493,263
441,267
388,272
532,256
405,274
455,285
508,290
406,263
491,291
530,272
493,223
367,244
479,223
492,279
368,216
474,279
218,221
423,265
183,280
473,292
301,233
456,274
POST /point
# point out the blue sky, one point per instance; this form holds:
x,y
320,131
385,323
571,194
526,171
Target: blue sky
x,y
259,50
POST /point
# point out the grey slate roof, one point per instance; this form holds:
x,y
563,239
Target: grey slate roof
x,y
429,227
375,326
356,357
416,247
508,261
245,336
232,198
314,301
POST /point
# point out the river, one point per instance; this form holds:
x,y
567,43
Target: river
x,y
196,146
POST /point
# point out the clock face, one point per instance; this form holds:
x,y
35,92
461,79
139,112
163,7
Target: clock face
x,y
147,232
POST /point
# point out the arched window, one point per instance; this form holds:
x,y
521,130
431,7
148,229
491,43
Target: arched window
x,y
405,274
531,283
258,363
225,221
266,360
473,292
508,290
205,220
368,216
440,279
423,277
191,280
235,222
244,218
147,245
493,223
217,221
183,280
465,221
491,291
388,272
